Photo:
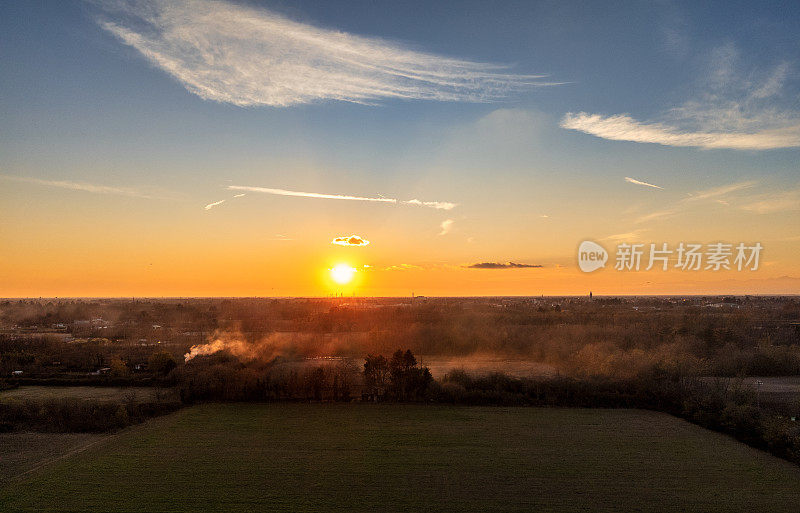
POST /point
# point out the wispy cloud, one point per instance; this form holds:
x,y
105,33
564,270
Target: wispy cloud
x,y
785,201
734,195
446,226
730,195
352,240
281,237
220,202
624,128
439,205
497,265
717,192
741,110
404,267
250,56
80,186
212,205
639,182
674,31
381,199
658,215
631,235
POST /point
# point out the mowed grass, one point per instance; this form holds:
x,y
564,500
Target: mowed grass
x,y
312,457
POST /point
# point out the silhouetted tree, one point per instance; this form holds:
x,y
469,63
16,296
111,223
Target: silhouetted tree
x,y
408,381
161,362
376,371
316,381
119,368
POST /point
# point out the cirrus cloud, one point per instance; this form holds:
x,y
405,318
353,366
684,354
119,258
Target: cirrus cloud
x,y
740,108
248,56
622,127
82,186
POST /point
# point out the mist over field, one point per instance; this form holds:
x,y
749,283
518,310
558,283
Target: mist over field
x,y
615,337
608,337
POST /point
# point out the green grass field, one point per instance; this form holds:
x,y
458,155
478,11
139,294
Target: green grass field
x,y
301,457
22,452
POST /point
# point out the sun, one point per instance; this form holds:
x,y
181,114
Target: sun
x,y
342,273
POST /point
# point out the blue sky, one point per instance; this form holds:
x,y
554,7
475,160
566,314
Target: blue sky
x,y
715,86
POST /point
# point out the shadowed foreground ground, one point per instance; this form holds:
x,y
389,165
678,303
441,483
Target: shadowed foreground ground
x,y
297,457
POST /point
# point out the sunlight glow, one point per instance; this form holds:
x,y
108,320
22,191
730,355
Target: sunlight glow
x,y
342,273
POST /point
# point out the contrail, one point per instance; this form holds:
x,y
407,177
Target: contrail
x,y
212,205
80,186
284,192
639,182
220,202
439,205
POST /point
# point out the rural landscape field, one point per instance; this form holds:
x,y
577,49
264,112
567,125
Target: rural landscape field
x,y
564,404
409,458
418,256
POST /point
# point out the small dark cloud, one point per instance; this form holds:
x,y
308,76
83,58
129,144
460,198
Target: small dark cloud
x,y
352,240
498,265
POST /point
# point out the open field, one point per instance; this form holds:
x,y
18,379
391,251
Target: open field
x,y
781,393
87,393
344,457
477,365
23,452
777,389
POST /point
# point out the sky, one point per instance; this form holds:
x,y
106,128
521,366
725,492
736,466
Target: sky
x,y
216,148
